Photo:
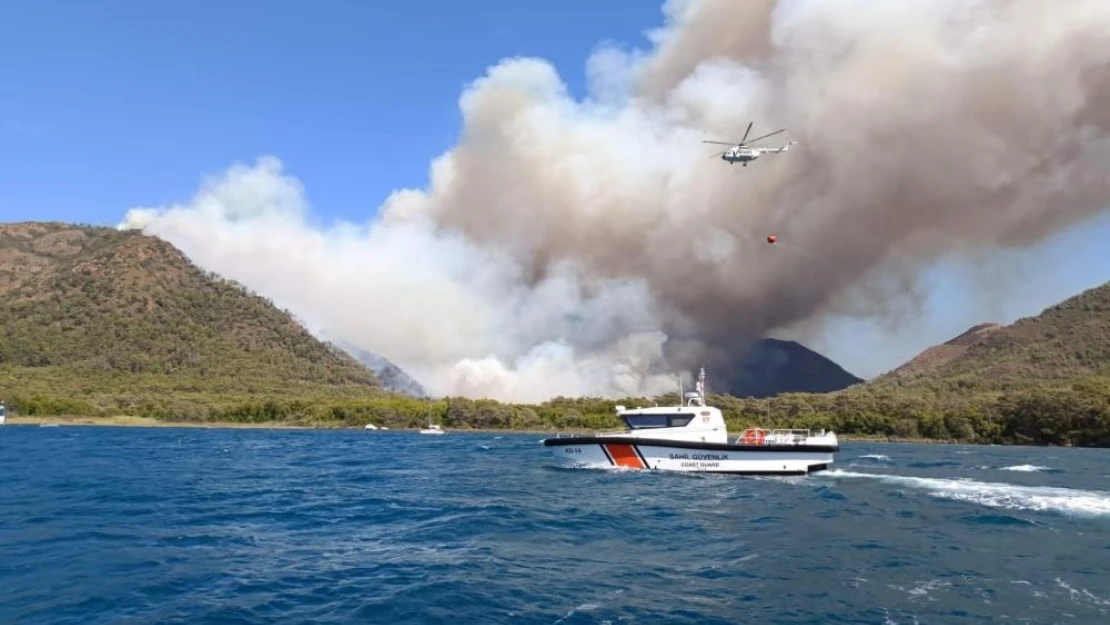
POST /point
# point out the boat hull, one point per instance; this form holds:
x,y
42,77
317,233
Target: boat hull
x,y
664,455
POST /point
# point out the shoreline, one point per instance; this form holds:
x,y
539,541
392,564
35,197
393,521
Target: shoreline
x,y
132,421
129,421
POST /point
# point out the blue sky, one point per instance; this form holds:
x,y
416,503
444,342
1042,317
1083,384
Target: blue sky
x,y
112,104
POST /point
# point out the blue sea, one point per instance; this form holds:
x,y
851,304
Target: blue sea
x,y
177,525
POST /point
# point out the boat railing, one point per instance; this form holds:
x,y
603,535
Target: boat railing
x,y
776,437
595,433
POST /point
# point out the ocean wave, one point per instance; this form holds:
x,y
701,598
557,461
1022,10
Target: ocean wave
x,y
337,527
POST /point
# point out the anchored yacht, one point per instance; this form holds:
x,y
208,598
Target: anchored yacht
x,y
693,437
432,429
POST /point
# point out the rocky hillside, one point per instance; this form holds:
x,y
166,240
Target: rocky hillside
x,y
121,317
1068,341
937,356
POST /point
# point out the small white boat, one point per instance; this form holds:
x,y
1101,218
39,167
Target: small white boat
x,y
432,429
370,426
693,437
3,413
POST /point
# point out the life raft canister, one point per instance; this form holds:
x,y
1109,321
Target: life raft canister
x,y
753,436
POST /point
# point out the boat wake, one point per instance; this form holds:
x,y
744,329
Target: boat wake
x,y
1066,501
1020,468
1025,468
869,460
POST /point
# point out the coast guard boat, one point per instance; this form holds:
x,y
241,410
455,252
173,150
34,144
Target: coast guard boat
x,y
693,437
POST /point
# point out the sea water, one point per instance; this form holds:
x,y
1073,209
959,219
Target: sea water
x,y
175,525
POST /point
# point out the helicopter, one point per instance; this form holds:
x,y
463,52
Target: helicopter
x,y
743,153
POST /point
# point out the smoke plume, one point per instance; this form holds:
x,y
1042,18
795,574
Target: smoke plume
x,y
592,247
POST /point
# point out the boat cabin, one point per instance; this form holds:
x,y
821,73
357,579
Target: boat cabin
x,y
642,421
692,421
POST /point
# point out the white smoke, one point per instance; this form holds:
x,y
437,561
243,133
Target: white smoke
x,y
455,315
590,248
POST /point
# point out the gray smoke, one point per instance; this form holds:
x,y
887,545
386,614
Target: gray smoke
x,y
570,248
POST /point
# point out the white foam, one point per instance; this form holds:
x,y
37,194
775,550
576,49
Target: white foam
x,y
1082,594
922,589
882,457
1025,468
585,607
999,495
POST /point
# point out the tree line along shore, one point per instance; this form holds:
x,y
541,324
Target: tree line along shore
x,y
131,421
1077,414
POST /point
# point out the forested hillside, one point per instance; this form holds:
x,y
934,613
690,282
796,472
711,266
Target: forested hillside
x,y
99,319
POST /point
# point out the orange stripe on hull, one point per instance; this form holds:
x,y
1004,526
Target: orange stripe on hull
x,y
625,456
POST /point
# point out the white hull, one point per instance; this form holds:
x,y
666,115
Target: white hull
x,y
693,438
629,453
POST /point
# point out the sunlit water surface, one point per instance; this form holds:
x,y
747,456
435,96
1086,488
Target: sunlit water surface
x,y
167,525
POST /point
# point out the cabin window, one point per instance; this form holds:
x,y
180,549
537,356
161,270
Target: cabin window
x,y
641,421
644,421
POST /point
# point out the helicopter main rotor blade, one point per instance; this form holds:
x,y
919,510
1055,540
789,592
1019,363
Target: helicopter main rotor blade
x,y
768,135
718,142
747,131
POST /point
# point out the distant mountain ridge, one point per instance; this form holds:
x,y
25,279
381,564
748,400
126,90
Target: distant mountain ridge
x,y
391,376
770,367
